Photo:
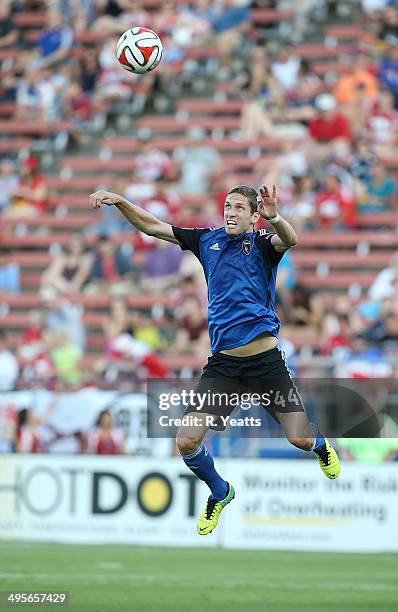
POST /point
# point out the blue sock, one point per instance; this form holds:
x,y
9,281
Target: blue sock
x,y
319,440
201,463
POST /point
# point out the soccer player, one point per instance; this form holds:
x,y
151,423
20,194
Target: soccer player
x,y
240,266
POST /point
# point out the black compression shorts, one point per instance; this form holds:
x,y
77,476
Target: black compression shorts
x,y
264,377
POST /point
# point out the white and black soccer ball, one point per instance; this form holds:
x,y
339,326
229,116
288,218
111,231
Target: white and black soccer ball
x,y
139,50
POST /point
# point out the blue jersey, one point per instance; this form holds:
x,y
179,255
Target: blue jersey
x,y
241,274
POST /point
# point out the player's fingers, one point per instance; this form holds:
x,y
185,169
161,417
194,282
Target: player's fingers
x,y
274,191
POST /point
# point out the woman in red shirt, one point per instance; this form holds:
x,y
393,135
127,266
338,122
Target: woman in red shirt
x,y
104,439
31,193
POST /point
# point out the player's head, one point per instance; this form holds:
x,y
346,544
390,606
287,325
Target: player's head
x,y
240,210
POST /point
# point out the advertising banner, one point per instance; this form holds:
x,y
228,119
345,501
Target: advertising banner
x,y
291,505
279,504
91,499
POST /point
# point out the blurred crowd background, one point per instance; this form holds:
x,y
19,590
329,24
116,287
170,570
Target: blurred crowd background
x,y
303,94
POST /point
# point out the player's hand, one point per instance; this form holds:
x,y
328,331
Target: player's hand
x,y
101,197
267,204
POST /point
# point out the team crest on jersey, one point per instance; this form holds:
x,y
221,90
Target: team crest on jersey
x,y
246,247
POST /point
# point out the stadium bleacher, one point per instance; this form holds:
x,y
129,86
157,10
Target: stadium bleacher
x,y
327,262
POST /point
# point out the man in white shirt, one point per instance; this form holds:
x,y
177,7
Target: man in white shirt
x,y
9,368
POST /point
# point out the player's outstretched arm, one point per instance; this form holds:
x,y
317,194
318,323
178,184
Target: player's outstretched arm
x,y
140,218
285,236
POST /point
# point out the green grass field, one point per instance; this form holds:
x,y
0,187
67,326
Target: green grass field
x,y
127,578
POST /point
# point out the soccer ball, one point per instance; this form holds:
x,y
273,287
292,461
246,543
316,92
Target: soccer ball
x,y
139,50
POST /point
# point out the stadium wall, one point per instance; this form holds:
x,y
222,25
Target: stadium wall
x,y
147,501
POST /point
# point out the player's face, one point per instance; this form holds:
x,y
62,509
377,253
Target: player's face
x,y
238,217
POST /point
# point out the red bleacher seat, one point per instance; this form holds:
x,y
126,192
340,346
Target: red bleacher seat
x,y
204,106
170,124
15,144
344,32
337,68
378,219
83,163
51,222
79,183
337,280
320,51
41,128
125,144
348,239
95,302
8,53
266,16
7,108
30,19
345,260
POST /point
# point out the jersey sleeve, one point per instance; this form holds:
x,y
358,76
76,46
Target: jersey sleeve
x,y
267,249
189,238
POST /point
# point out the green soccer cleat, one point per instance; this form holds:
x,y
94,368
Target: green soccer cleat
x,y
329,461
209,518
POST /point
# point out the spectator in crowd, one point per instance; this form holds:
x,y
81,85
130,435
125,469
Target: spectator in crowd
x,y
137,189
192,336
306,308
286,69
8,426
31,195
164,203
147,331
33,352
89,69
9,367
388,69
77,107
61,315
198,163
329,124
104,438
8,183
334,206
377,192
55,42
151,163
384,285
30,436
9,275
112,84
36,96
8,29
368,450
134,12
352,84
161,267
361,160
69,270
389,24
112,270
120,319
285,282
382,124
369,6
66,356
302,208
255,120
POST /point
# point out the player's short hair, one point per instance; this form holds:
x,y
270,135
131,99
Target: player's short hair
x,y
249,193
